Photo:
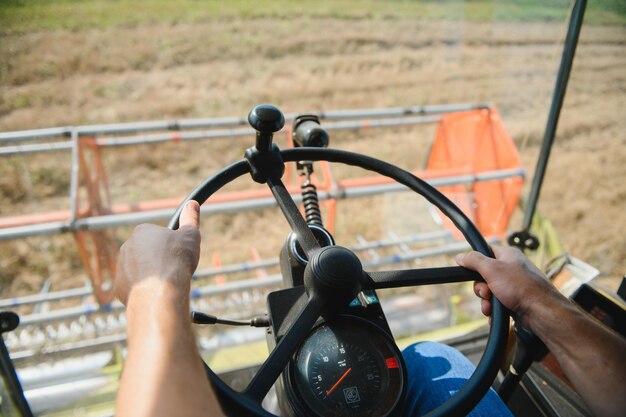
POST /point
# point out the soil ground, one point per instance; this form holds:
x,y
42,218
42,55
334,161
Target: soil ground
x,y
224,67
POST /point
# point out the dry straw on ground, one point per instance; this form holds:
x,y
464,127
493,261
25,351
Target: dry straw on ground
x,y
225,67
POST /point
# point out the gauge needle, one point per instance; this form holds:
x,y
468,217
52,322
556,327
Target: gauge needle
x,y
345,374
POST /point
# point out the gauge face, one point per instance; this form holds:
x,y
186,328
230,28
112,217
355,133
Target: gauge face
x,y
349,369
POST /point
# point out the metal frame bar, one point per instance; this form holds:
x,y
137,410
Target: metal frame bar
x,y
226,269
203,135
207,291
560,87
240,285
126,219
183,124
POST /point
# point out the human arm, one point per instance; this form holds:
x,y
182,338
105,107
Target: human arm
x,y
591,355
163,374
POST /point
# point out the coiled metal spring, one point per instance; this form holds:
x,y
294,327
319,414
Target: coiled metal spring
x,y
311,204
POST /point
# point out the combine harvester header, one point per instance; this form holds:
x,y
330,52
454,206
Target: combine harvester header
x,y
472,159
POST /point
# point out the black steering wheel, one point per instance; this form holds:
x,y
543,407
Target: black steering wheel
x,y
334,274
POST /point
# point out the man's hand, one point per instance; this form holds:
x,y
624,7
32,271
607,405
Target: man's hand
x,y
591,355
514,280
163,373
154,255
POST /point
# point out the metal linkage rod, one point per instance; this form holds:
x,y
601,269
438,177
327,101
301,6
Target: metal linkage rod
x,y
117,220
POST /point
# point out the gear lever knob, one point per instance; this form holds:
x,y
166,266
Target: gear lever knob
x,y
265,119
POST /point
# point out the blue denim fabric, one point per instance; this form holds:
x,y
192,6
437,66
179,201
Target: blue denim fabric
x,y
435,373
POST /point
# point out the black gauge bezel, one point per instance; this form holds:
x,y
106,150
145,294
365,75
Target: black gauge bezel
x,y
295,397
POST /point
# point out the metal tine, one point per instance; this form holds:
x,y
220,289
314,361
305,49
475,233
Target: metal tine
x,y
370,251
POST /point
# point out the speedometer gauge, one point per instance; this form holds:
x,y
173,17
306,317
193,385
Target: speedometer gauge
x,y
349,368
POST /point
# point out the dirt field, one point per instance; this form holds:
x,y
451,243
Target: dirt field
x,y
223,68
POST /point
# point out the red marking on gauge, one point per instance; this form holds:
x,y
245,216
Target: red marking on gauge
x,y
392,363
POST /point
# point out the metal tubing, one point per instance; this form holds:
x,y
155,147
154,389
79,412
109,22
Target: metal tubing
x,y
204,135
45,297
399,111
569,49
235,286
83,344
227,269
35,148
208,345
32,134
240,267
417,238
117,220
43,229
68,313
118,128
378,244
240,285
381,122
74,177
170,137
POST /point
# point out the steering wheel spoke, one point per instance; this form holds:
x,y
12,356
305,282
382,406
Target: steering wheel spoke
x,y
421,276
276,362
294,217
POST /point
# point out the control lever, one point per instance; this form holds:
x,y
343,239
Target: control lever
x,y
528,349
266,120
264,158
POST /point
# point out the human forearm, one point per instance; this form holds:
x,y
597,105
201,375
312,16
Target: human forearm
x,y
162,351
590,354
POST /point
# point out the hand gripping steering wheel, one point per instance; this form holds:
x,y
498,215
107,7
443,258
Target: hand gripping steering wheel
x,y
334,274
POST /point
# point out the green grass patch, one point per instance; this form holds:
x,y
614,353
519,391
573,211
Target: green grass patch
x,y
18,16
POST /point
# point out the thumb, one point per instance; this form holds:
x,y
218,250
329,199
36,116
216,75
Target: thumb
x,y
190,216
475,261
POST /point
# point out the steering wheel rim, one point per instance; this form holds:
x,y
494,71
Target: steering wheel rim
x,y
486,370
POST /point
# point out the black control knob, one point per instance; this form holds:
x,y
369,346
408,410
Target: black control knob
x,y
8,321
265,119
307,131
335,273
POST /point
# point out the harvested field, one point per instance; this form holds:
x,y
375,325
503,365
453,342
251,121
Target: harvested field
x,y
223,67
